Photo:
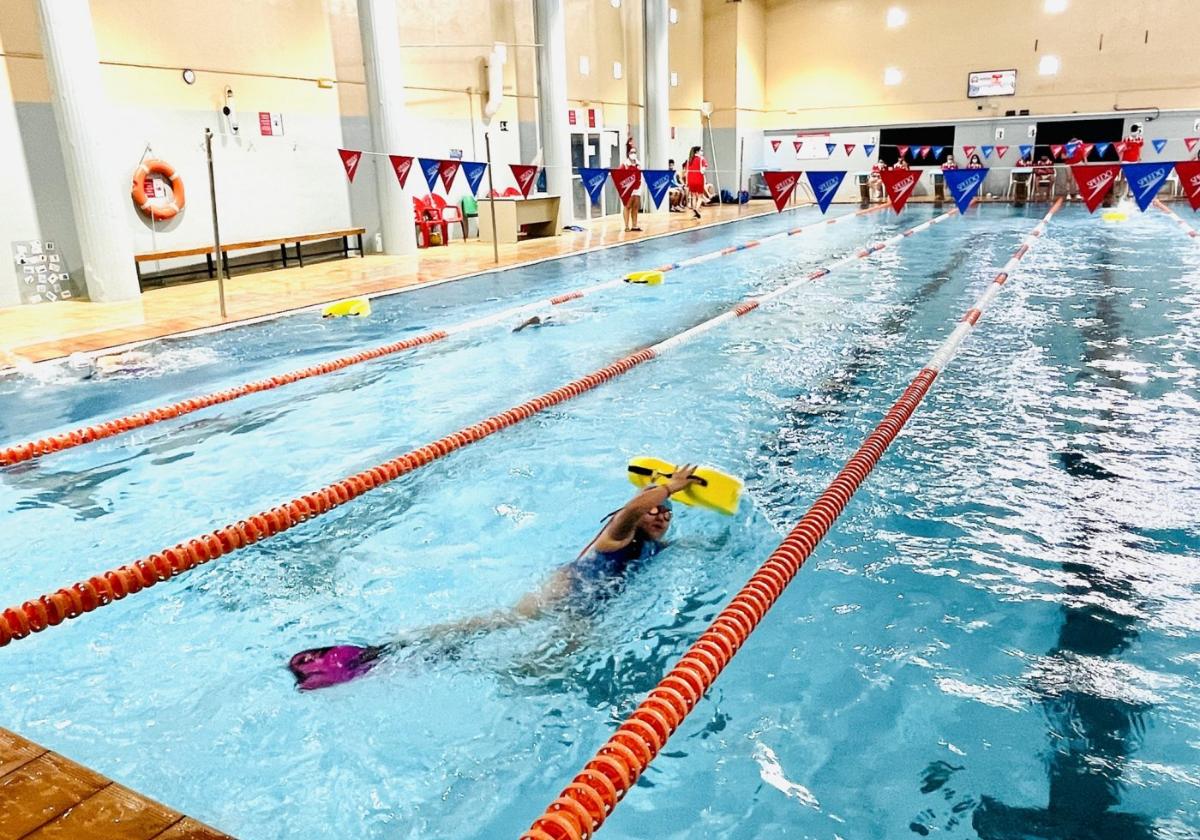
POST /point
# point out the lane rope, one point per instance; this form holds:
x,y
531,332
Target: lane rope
x,y
1188,229
49,610
584,804
28,450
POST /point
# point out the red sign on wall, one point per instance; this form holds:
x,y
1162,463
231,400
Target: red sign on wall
x,y
591,117
571,117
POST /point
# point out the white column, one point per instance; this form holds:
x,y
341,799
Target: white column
x,y
73,66
380,32
552,103
658,84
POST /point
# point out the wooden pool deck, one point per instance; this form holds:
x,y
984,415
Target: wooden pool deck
x,y
44,795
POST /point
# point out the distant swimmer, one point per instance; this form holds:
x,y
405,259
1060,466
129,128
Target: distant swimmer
x,y
535,321
111,364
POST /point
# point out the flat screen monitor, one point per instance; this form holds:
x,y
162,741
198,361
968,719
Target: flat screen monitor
x,y
991,83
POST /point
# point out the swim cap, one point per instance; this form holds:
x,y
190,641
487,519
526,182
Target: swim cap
x,y
323,667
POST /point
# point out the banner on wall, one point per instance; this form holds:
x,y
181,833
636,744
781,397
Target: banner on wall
x,y
1145,180
473,170
781,185
900,184
401,165
1189,180
658,181
824,186
593,182
627,180
1095,181
350,160
964,184
447,169
430,168
525,174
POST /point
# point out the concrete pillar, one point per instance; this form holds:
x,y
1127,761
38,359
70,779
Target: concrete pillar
x,y
658,84
552,103
73,67
380,33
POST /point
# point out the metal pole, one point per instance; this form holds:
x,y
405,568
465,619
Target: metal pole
x,y
487,145
716,170
737,188
212,196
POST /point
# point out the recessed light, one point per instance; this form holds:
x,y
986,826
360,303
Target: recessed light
x,y
673,15
189,76
1048,66
896,17
616,4
674,79
1053,7
616,69
892,76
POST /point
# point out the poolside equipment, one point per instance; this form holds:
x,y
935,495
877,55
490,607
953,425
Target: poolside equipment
x,y
358,307
648,278
142,175
716,490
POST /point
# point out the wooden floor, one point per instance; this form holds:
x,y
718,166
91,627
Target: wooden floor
x,y
50,331
43,796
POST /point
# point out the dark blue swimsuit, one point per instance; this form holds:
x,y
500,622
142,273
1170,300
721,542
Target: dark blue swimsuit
x,y
598,571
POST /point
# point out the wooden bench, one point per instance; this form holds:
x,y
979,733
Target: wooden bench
x,y
282,241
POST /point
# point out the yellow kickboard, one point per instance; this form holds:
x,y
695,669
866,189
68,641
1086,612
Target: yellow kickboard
x,y
649,278
719,492
360,307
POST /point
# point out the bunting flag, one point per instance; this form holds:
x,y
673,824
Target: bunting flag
x,y
937,151
968,151
781,185
658,181
350,160
1001,151
987,151
798,145
1057,151
526,174
964,184
1191,142
1087,149
868,149
401,165
924,151
627,180
1102,148
447,169
430,169
1026,151
849,148
593,182
829,147
474,171
1095,180
775,144
1189,180
903,150
900,184
1071,148
1145,180
1159,145
825,186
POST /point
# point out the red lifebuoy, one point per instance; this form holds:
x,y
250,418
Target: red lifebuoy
x,y
161,212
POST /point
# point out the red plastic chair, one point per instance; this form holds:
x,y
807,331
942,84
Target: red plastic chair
x,y
427,217
512,192
495,194
449,213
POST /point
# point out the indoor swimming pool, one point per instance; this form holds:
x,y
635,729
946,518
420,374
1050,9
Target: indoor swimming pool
x,y
1001,633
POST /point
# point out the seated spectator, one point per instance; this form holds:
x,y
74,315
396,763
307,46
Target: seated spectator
x,y
975,162
949,163
1043,175
676,194
875,183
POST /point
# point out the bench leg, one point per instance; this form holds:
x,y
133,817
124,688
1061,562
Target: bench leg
x,y
360,250
345,247
283,253
137,267
225,263
209,262
299,255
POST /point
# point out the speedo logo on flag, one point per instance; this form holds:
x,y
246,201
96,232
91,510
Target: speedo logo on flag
x,y
1194,181
828,186
595,181
971,183
908,181
659,183
786,185
1098,183
626,183
526,177
1148,181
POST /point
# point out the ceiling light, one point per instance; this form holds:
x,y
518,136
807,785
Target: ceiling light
x,y
673,15
892,76
616,69
1048,66
674,79
897,17
1053,7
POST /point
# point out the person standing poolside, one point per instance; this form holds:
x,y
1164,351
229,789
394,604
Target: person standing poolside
x,y
633,204
694,169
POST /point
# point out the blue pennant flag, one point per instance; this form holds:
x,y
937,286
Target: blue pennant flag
x,y
1026,151
1101,148
868,149
431,169
824,186
593,182
1072,148
829,147
1159,145
964,183
987,151
474,172
937,151
1145,180
658,181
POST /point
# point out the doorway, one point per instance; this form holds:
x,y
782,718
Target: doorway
x,y
597,148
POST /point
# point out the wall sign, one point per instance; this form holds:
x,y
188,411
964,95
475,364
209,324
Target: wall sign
x,y
270,124
991,83
40,271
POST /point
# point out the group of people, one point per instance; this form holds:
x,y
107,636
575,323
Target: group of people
x,y
689,189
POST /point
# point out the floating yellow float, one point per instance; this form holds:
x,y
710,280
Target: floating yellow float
x,y
716,490
648,278
356,307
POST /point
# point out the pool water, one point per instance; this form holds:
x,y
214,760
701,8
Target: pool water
x,y
998,639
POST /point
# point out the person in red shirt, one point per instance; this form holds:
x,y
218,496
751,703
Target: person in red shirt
x,y
1043,175
1132,153
875,183
949,163
975,162
695,166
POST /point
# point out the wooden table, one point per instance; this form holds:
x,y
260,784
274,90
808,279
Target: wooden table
x,y
537,215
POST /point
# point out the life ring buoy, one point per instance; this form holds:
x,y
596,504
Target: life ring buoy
x,y
160,212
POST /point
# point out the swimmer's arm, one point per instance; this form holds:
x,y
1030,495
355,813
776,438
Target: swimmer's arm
x,y
621,527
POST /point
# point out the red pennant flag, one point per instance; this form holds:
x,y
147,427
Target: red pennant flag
x,y
1057,151
525,174
781,185
1087,149
924,151
775,145
903,150
798,144
1189,180
1191,142
1001,151
849,148
1095,180
900,184
447,169
1120,146
968,151
627,181
401,164
350,160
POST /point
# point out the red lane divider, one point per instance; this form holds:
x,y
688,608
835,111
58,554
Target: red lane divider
x,y
28,450
583,805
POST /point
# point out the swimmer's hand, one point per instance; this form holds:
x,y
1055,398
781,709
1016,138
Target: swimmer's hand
x,y
682,478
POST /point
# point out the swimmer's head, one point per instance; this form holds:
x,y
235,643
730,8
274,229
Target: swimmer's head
x,y
655,522
79,361
323,667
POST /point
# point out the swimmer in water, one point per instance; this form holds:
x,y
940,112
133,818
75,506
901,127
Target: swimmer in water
x,y
630,536
535,321
109,364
